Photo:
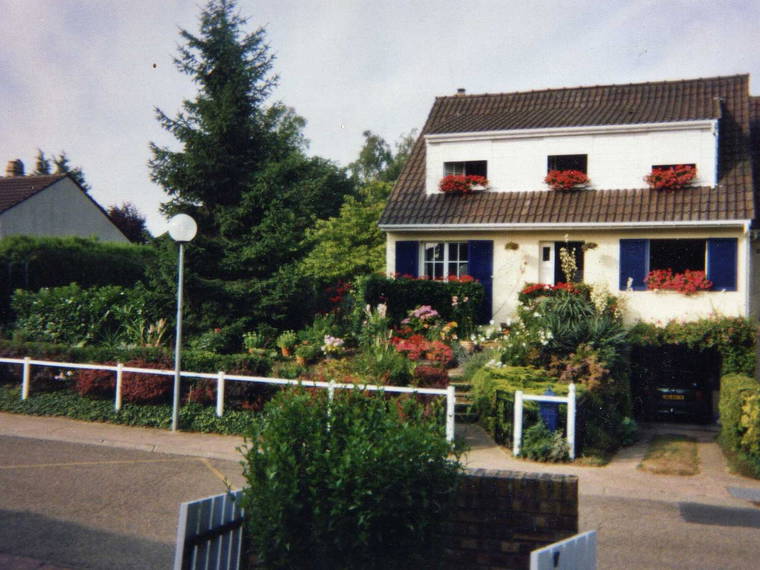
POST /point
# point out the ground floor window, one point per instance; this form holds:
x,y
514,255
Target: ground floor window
x,y
717,257
444,259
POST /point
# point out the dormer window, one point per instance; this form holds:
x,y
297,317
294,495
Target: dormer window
x,y
466,168
567,162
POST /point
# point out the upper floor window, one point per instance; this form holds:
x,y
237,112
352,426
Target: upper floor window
x,y
445,259
466,168
568,162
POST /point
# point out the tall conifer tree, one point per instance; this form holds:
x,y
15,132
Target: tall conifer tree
x,y
243,174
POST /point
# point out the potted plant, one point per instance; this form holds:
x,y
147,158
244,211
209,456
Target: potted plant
x,y
462,183
306,352
566,179
671,177
286,341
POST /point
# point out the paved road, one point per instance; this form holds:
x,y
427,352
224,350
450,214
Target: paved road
x,y
89,506
112,502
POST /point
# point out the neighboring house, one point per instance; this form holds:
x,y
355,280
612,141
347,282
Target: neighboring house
x,y
510,234
51,205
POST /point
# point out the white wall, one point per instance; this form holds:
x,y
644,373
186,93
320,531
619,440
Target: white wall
x,y
514,268
60,210
616,159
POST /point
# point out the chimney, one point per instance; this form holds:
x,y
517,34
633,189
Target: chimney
x,y
14,168
461,91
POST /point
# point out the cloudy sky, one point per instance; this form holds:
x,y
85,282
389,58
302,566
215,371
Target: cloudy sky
x,y
84,76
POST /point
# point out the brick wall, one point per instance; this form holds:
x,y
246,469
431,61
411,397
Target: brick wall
x,y
501,516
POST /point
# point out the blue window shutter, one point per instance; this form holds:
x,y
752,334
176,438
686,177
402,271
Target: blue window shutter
x,y
407,258
721,263
480,266
634,262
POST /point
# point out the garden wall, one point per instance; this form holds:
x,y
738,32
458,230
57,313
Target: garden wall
x,y
501,516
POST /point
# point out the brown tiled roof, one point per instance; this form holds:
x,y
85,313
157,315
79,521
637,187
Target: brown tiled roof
x,y
726,98
16,189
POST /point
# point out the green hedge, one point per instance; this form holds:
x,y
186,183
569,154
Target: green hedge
x,y
33,262
740,421
402,295
733,337
494,396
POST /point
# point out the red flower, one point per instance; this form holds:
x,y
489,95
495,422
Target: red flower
x,y
566,179
461,183
671,178
688,282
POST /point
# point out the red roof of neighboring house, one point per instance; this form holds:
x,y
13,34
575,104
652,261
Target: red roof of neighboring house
x,y
16,189
724,98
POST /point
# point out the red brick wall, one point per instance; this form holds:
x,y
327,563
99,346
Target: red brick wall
x,y
501,516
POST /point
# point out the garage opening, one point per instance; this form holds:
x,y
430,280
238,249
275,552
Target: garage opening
x,y
675,383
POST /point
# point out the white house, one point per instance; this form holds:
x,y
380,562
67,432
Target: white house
x,y
51,205
620,228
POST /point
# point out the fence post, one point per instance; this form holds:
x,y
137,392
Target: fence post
x,y
119,378
331,390
451,397
517,428
571,420
26,377
220,394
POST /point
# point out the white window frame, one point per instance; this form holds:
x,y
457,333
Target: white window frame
x,y
447,259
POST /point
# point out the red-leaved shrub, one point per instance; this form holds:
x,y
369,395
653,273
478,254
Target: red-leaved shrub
x,y
430,377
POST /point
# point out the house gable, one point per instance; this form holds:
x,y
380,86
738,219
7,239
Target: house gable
x,y
52,206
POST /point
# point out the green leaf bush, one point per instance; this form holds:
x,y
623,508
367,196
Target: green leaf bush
x,y
733,337
363,482
740,421
402,295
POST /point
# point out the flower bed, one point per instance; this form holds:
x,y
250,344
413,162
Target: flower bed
x,y
462,184
671,178
566,179
687,283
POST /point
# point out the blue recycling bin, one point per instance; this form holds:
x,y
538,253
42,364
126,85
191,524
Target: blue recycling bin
x,y
549,411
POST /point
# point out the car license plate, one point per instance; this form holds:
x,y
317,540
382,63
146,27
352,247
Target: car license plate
x,y
673,397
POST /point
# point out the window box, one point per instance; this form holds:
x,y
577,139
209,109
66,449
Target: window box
x,y
566,179
462,183
687,283
671,176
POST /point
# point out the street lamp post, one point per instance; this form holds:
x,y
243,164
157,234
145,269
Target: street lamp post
x,y
182,229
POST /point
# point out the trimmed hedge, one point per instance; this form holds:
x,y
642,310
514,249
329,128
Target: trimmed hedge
x,y
740,421
33,262
733,337
402,295
494,396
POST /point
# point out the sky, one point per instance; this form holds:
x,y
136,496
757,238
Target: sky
x,y
85,76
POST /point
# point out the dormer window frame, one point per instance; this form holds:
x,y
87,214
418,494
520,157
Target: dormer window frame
x,y
466,168
567,162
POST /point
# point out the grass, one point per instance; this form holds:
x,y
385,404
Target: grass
x,y
671,454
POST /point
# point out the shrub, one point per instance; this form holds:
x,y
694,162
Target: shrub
x,y
740,421
403,294
345,485
430,377
382,364
72,315
136,387
540,444
733,337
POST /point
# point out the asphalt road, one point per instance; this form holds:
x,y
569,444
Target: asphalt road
x,y
89,506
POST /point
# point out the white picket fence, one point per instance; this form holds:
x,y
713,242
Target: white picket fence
x,y
575,553
222,377
210,533
517,428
